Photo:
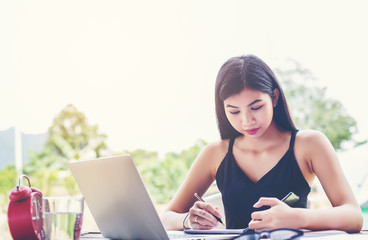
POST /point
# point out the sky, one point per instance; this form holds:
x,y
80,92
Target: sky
x,y
144,71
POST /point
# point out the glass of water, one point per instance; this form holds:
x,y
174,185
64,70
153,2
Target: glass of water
x,y
62,217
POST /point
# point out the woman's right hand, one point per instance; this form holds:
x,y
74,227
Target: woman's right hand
x,y
200,216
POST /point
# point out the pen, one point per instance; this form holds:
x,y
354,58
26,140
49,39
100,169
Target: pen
x,y
201,200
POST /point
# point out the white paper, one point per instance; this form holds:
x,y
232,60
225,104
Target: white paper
x,y
214,231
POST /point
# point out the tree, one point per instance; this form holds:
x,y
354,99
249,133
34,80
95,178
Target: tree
x,y
71,137
8,177
43,169
163,177
311,109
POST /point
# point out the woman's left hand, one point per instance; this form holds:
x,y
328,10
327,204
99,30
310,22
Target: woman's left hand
x,y
280,215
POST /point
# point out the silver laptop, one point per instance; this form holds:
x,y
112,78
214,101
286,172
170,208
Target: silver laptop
x,y
119,201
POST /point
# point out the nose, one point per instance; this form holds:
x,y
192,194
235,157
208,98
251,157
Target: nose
x,y
247,119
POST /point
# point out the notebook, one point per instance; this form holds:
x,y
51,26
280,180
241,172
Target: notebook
x,y
119,202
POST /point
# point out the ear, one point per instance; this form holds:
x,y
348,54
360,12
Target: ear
x,y
276,94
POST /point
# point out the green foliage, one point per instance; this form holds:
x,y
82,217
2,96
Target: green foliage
x,y
311,109
163,177
71,185
361,143
70,138
45,179
8,180
43,169
142,157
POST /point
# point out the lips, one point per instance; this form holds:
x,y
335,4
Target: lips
x,y
252,131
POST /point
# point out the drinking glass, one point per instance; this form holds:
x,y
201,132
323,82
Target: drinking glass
x,y
62,217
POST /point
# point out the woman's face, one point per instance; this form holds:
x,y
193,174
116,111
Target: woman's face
x,y
250,112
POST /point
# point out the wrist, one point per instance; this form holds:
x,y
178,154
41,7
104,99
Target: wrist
x,y
185,222
301,218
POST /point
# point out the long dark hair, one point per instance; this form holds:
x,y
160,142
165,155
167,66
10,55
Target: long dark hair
x,y
251,72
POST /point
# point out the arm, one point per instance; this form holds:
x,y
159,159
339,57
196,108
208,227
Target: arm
x,y
345,213
200,177
315,150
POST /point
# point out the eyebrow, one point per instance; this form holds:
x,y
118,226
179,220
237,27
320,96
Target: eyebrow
x,y
254,102
250,104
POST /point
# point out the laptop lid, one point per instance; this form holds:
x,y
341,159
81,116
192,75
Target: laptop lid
x,y
117,198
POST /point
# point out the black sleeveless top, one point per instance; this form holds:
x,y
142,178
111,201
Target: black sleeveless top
x,y
239,193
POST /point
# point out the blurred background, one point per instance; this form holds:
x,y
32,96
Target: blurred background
x,y
84,79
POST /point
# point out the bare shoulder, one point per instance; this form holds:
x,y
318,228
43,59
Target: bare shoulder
x,y
213,154
209,159
216,149
311,139
314,147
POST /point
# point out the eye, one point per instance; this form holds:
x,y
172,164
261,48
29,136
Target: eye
x,y
236,112
256,108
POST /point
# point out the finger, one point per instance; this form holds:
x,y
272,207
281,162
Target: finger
x,y
255,224
199,223
200,226
262,229
202,217
206,211
263,201
213,210
257,216
208,219
209,208
258,226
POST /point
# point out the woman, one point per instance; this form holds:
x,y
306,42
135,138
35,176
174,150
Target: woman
x,y
261,158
